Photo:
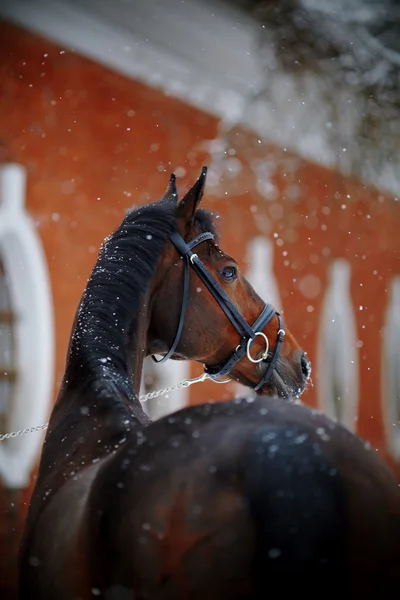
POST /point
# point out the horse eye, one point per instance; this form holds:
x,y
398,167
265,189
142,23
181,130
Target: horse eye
x,y
228,273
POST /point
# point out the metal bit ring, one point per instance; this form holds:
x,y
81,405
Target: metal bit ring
x,y
264,355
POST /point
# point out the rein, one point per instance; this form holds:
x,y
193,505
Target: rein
x,y
247,333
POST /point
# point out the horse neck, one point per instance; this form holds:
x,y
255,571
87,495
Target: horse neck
x,y
98,406
107,347
108,342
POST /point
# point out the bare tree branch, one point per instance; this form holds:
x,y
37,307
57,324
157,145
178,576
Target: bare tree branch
x,y
352,49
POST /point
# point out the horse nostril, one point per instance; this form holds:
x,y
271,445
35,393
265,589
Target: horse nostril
x,y
305,365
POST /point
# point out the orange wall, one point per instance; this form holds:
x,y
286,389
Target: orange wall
x,y
94,142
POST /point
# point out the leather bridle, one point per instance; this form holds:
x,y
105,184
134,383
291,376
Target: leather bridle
x,y
247,333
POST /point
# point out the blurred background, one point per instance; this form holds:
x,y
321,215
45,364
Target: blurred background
x,y
295,107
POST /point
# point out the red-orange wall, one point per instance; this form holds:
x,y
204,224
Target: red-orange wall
x,y
94,142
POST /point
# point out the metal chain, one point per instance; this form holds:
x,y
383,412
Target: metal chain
x,y
13,434
150,396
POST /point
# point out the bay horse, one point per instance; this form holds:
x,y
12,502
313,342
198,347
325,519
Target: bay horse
x,y
234,500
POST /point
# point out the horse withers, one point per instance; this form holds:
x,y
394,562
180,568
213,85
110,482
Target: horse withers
x,y
223,500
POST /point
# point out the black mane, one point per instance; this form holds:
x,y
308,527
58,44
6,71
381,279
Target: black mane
x,y
115,292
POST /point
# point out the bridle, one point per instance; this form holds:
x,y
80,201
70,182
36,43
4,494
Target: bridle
x,y
247,333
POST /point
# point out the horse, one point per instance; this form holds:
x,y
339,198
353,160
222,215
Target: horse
x,y
217,501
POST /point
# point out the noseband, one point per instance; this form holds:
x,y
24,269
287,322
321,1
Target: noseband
x,y
247,333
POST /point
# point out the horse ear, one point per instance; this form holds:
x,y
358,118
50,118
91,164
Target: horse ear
x,y
190,202
171,193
